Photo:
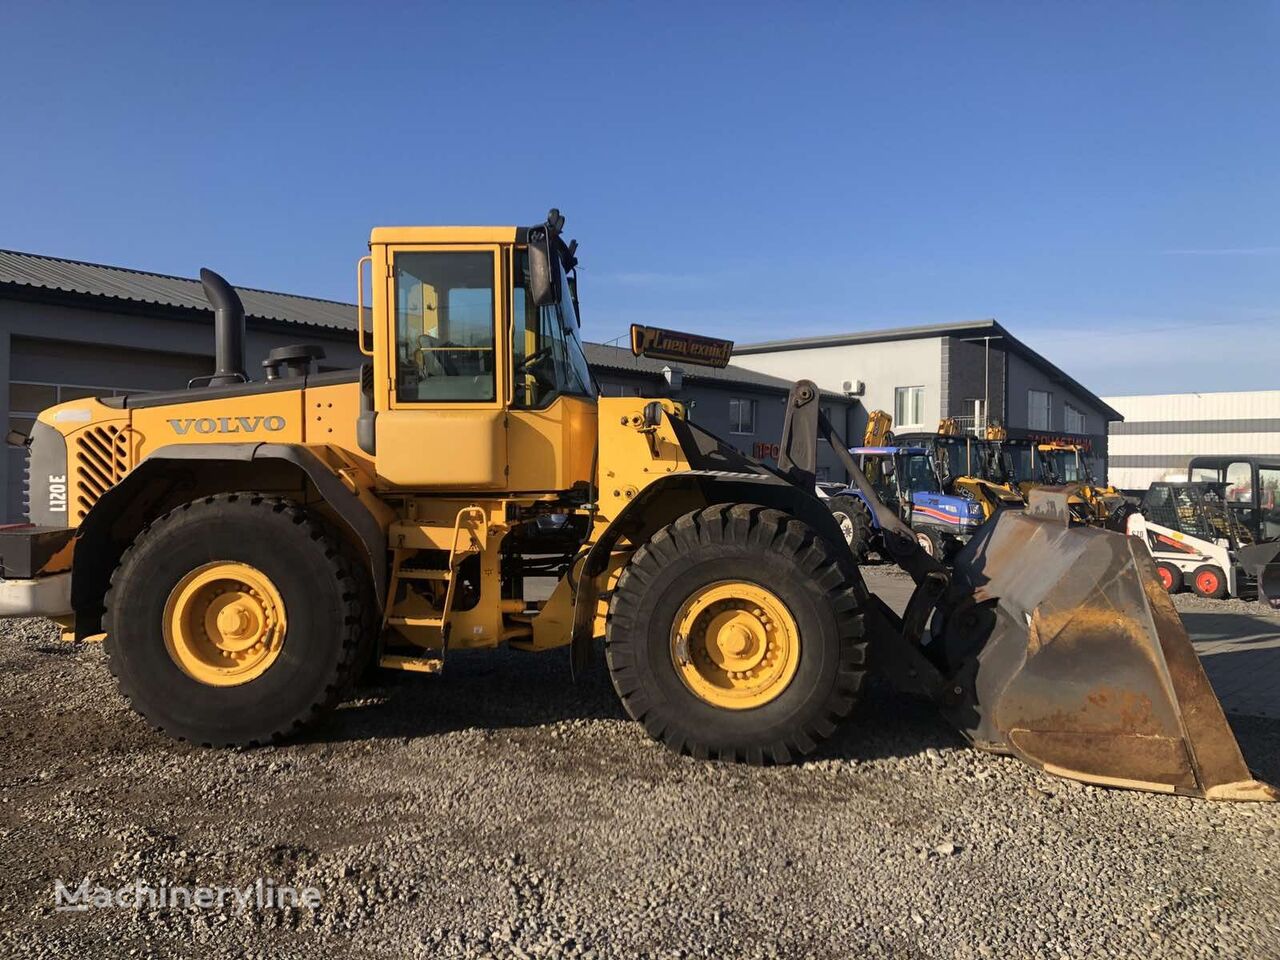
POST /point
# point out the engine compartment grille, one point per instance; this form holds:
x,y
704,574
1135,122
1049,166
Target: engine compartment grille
x,y
101,460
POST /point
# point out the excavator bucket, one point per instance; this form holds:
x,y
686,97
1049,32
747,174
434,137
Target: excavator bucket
x,y
1062,648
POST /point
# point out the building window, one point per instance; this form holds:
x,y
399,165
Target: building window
x,y
908,407
742,416
1072,420
1039,410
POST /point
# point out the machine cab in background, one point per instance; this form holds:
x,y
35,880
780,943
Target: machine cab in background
x,y
478,383
1251,489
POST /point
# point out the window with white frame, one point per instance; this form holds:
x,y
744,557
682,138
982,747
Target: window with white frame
x,y
1039,410
908,407
742,416
1072,419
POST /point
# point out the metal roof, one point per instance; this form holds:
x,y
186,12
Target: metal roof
x,y
54,274
988,327
602,356
975,329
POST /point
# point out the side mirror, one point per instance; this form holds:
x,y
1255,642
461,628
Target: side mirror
x,y
544,269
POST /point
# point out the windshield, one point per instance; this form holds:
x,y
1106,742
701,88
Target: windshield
x,y
916,473
954,454
990,466
1019,462
1064,465
879,472
548,359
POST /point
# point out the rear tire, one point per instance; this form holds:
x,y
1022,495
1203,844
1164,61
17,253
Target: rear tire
x,y
1209,581
739,549
155,652
854,523
1170,576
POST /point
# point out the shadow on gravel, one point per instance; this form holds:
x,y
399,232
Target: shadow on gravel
x,y
1259,739
485,689
509,690
888,724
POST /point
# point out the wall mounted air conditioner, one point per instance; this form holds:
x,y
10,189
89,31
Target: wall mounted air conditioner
x,y
853,388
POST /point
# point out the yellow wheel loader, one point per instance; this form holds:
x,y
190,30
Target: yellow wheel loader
x,y
248,547
1063,466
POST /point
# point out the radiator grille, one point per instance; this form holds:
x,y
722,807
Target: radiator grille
x,y
101,460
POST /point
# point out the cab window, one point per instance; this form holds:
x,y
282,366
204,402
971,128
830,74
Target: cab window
x,y
1240,483
547,356
445,327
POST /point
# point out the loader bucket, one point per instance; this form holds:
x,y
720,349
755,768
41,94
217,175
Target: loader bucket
x,y
1262,561
1063,649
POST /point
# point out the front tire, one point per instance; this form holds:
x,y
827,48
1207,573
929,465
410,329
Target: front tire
x,y
735,633
233,621
932,542
855,525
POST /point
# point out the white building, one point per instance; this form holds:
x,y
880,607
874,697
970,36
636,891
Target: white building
x,y
1162,432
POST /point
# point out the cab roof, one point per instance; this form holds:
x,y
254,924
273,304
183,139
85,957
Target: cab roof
x,y
888,451
395,235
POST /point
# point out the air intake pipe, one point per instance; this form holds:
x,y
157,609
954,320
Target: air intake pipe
x,y
228,329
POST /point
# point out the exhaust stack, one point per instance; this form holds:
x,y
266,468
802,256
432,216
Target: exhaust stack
x,y
228,329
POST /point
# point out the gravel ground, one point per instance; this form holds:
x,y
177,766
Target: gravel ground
x,y
497,811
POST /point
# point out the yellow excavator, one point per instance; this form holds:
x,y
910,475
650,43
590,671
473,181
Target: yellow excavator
x,y
1030,465
248,548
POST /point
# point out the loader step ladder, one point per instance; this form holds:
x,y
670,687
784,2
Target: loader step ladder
x,y
448,575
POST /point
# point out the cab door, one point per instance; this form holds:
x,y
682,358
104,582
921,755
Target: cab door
x,y
439,385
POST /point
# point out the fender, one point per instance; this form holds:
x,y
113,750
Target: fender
x,y
96,550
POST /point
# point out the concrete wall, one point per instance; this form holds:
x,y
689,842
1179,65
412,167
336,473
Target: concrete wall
x,y
972,372
881,366
1162,432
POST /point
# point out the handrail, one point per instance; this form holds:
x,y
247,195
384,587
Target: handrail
x,y
360,303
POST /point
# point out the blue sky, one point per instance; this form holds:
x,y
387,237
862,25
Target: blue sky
x,y
1104,179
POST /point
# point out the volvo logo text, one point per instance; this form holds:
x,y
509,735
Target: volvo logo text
x,y
184,426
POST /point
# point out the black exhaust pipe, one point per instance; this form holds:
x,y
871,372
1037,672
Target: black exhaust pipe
x,y
228,329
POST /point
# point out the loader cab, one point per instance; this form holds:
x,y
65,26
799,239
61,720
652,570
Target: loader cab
x,y
898,474
1064,464
480,381
1251,487
1019,463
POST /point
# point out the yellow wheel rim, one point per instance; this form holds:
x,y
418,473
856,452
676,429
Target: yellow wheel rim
x,y
224,624
735,645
